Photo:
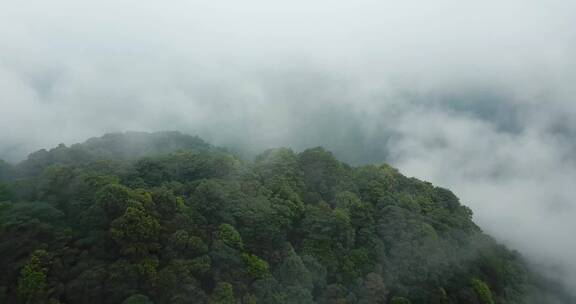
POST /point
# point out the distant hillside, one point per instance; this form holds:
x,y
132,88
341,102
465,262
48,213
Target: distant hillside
x,y
167,218
114,146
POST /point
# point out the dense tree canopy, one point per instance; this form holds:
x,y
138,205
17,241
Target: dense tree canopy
x,y
167,218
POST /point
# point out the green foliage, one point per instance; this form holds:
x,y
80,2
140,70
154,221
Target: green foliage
x,y
373,289
323,174
166,218
482,291
5,192
114,199
200,265
32,284
223,294
187,244
256,268
136,232
228,234
32,216
293,272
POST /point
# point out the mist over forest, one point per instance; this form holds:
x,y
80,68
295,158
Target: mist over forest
x,y
473,97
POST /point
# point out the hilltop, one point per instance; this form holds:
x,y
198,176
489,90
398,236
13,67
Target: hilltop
x,y
168,218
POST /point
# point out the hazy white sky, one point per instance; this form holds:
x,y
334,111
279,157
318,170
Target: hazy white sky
x,y
476,96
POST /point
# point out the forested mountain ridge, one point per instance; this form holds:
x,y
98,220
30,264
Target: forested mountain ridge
x,y
167,218
113,146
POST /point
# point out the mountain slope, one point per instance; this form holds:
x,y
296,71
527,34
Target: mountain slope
x,y
167,218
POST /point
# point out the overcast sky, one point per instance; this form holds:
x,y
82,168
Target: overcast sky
x,y
475,96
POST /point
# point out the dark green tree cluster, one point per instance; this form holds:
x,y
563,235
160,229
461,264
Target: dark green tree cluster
x,y
166,218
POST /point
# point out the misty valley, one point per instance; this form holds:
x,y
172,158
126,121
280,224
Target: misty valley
x,y
165,217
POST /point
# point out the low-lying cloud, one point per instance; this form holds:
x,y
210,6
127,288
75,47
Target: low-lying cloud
x,y
477,97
